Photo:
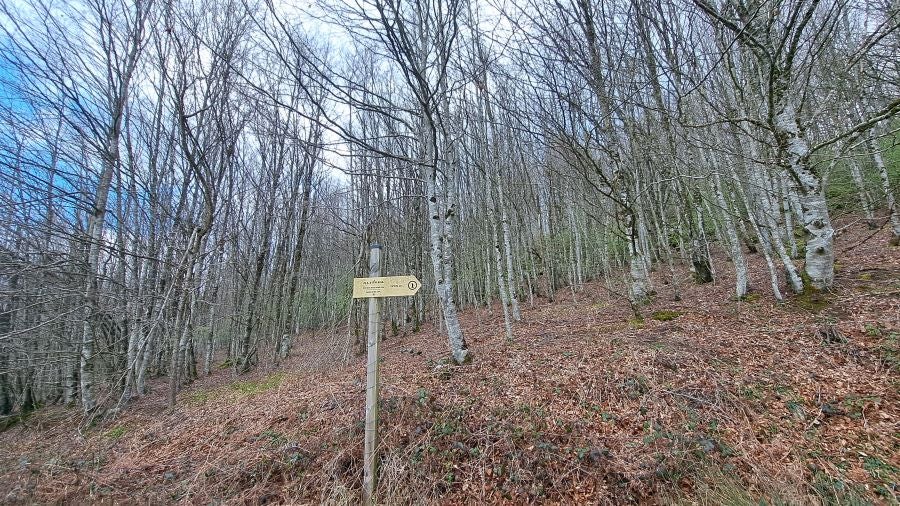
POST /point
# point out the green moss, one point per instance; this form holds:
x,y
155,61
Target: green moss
x,y
856,405
801,248
813,302
116,432
811,299
750,297
665,315
751,392
873,330
880,469
198,397
255,387
272,438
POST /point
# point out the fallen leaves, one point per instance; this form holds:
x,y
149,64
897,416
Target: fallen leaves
x,y
581,407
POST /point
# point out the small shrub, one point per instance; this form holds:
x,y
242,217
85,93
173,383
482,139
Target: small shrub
x,y
272,437
751,392
635,387
796,409
856,405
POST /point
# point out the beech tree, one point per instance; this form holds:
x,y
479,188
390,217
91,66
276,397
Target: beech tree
x,y
779,48
186,190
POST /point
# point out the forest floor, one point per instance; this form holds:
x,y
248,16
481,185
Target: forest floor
x,y
707,400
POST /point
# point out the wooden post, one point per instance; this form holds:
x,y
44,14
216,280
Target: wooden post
x,y
371,442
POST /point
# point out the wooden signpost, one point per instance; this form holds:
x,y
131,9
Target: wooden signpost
x,y
392,286
374,288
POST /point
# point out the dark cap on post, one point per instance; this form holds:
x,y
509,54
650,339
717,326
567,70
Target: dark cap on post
x,y
374,245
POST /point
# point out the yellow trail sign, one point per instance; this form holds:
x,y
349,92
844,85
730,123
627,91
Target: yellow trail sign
x,y
389,286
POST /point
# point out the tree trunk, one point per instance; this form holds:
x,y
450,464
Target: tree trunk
x,y
734,243
893,212
439,228
96,224
816,220
864,200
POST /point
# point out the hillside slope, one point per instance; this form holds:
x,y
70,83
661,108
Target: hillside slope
x,y
706,400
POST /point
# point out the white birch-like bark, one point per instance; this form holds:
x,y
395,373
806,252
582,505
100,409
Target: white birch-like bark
x,y
135,335
768,211
893,212
764,243
440,214
499,206
734,243
700,257
96,224
816,220
865,200
507,245
502,284
788,215
578,247
717,233
639,284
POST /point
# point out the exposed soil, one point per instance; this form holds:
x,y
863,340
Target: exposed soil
x,y
713,401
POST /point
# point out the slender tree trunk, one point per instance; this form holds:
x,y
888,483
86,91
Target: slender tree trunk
x,y
764,242
639,285
502,283
864,199
440,214
96,224
734,243
894,213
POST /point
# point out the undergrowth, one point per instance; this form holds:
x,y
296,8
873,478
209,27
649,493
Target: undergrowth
x,y
252,387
